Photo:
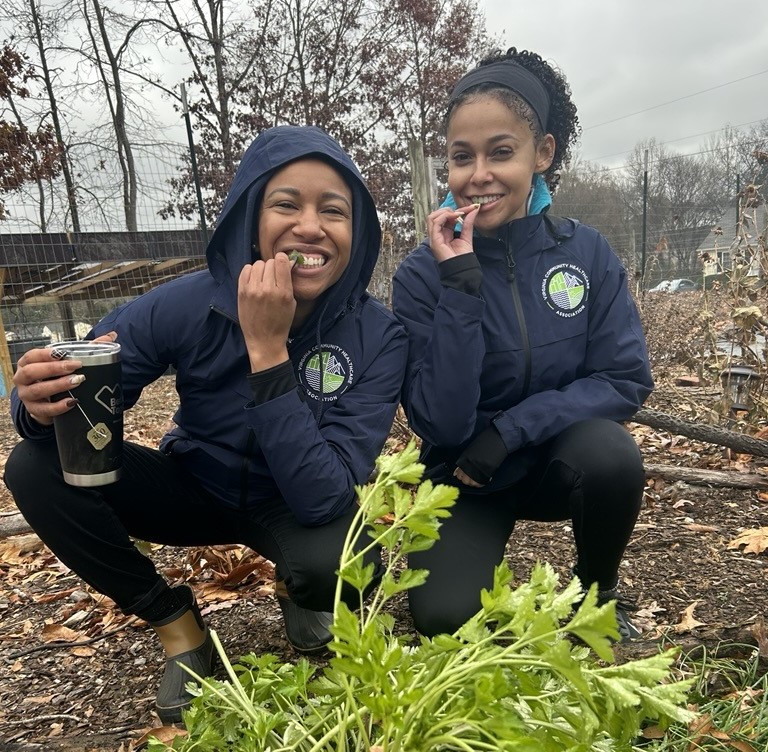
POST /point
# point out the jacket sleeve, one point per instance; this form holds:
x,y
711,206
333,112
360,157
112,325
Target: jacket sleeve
x,y
142,363
446,351
317,466
616,375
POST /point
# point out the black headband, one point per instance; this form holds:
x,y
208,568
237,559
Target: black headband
x,y
512,76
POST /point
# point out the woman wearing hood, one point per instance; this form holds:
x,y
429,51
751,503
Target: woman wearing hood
x,y
288,377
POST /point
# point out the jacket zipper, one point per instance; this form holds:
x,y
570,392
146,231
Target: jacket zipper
x,y
520,317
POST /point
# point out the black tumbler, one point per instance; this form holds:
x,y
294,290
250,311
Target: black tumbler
x,y
90,435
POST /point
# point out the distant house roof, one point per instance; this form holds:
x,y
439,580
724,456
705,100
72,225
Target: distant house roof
x,y
722,235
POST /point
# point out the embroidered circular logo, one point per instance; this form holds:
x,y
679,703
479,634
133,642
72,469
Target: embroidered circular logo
x,y
326,370
565,288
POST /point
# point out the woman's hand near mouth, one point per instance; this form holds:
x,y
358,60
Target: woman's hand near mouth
x,y
440,226
265,307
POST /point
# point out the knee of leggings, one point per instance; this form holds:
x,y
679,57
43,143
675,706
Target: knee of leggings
x,y
431,619
27,471
604,450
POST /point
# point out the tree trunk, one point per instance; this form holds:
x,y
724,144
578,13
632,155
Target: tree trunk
x,y
65,167
117,110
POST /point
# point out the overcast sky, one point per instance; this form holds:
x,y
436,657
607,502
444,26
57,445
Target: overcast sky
x,y
622,56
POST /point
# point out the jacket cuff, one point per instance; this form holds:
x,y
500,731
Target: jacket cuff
x,y
272,383
483,457
29,428
462,273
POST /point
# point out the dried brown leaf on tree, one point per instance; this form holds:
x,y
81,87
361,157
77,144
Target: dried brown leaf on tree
x,y
755,540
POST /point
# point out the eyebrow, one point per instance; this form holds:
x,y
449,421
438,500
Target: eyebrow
x,y
491,140
325,195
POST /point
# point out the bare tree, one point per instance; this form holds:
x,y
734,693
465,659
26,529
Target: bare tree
x,y
229,49
35,20
110,74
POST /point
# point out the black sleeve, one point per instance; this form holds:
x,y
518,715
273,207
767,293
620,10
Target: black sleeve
x,y
462,273
271,383
482,457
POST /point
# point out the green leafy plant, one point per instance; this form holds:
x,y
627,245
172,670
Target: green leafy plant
x,y
730,696
526,673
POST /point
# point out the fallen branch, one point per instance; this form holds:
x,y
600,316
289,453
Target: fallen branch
x,y
702,432
736,641
697,476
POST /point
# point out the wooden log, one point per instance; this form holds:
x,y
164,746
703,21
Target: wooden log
x,y
13,524
700,477
702,432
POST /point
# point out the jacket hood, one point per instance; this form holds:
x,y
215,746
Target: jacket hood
x,y
231,245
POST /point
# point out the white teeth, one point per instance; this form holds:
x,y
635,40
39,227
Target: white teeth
x,y
313,261
484,199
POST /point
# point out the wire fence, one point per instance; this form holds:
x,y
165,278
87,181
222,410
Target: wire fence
x,y
65,263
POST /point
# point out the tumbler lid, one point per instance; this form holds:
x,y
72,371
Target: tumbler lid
x,y
88,352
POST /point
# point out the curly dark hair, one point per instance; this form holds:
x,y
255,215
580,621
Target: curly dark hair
x,y
562,123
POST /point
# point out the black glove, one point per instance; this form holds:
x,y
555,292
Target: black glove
x,y
483,456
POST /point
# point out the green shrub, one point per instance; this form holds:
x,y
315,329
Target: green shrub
x,y
526,673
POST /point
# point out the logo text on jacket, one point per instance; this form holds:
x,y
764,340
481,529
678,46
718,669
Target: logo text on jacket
x,y
565,288
327,370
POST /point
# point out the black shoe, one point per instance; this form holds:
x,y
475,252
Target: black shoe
x,y
172,697
307,631
627,630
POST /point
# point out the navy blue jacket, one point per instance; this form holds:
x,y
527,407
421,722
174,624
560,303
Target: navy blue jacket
x,y
554,338
309,445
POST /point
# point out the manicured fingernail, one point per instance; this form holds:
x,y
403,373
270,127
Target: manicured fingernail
x,y
78,378
71,402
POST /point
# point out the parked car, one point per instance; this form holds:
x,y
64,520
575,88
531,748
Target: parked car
x,y
682,285
675,285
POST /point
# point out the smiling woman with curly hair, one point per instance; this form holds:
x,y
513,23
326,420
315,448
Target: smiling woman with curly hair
x,y
526,350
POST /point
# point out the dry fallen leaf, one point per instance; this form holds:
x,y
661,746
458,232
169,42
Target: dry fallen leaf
x,y
701,528
653,732
58,633
755,541
83,651
687,623
166,734
761,637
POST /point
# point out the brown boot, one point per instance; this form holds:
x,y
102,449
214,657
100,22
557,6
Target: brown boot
x,y
186,641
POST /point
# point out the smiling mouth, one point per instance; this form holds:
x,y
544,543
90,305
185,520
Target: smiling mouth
x,y
307,260
483,200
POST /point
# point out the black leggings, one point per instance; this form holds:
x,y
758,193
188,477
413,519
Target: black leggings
x,y
592,474
90,529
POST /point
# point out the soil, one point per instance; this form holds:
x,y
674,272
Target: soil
x,y
57,693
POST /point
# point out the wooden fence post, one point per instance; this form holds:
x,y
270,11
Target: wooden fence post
x,y
5,353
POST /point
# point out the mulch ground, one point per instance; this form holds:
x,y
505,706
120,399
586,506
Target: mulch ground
x,y
77,675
